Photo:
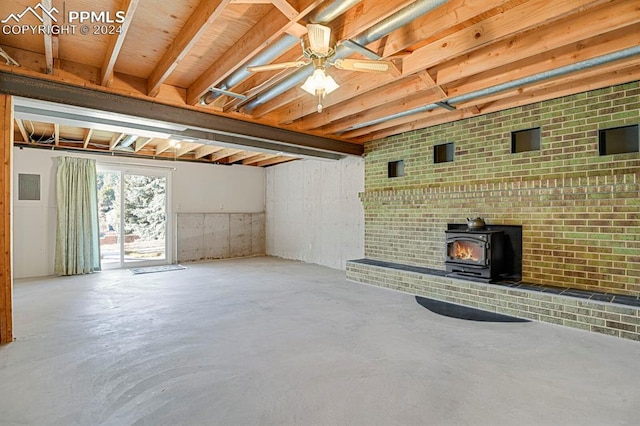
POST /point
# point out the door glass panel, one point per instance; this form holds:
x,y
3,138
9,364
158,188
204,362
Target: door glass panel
x,y
144,218
109,189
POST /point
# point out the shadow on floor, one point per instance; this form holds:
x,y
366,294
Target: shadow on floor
x,y
463,312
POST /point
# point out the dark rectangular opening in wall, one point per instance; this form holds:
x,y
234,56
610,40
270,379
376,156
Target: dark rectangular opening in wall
x,y
525,140
619,140
443,153
395,169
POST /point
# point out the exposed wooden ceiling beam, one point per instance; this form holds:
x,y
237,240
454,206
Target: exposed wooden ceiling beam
x,y
599,45
417,100
257,158
186,147
569,31
241,156
115,140
48,38
23,131
202,17
453,14
116,42
163,145
205,150
276,160
224,153
501,27
87,138
56,134
286,9
531,95
267,31
141,143
448,47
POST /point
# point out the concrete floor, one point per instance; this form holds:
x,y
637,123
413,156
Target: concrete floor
x,y
270,341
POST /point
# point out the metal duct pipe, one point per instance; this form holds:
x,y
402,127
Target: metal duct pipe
x,y
269,54
331,11
376,32
128,141
326,14
578,66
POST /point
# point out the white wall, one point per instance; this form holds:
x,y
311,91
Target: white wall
x,y
314,213
195,188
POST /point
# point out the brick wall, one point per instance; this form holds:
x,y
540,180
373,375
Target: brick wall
x,y
580,211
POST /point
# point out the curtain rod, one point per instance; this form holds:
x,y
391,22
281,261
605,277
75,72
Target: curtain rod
x,y
135,164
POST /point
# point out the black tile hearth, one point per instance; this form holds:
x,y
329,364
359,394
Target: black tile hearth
x,y
571,292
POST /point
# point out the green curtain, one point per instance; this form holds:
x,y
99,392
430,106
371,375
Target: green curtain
x,y
77,234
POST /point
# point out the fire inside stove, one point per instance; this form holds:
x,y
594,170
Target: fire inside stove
x,y
463,250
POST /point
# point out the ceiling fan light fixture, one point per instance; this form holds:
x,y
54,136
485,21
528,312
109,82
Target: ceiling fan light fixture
x,y
319,83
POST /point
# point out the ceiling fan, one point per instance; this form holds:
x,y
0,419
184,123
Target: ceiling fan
x,y
320,53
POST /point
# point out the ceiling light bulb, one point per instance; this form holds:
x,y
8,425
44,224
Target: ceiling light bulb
x,y
319,83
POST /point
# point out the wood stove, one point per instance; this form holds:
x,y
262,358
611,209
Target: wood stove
x,y
474,254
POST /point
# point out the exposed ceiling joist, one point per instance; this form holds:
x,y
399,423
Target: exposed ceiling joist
x,y
472,55
22,130
268,30
87,138
115,43
204,15
205,150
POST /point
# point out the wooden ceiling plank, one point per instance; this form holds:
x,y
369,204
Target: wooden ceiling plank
x,y
116,42
48,38
599,45
576,78
417,100
163,145
429,81
264,33
23,130
241,156
187,147
286,9
560,33
563,87
202,17
532,14
56,132
452,15
87,138
141,143
257,158
205,150
224,153
115,140
277,160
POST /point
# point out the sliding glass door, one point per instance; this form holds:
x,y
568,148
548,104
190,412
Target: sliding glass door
x,y
133,218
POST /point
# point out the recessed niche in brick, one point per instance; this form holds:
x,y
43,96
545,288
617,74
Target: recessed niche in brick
x,y
525,140
619,140
443,153
395,168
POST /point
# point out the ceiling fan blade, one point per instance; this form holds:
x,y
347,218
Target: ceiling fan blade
x,y
319,38
364,65
279,66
